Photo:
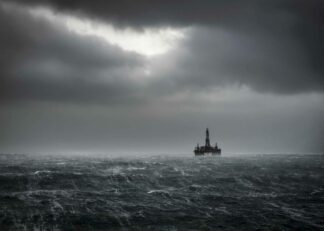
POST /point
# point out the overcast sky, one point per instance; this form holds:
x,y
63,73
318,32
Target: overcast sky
x,y
148,76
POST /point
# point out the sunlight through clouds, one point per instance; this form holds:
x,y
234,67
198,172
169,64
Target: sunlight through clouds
x,y
148,42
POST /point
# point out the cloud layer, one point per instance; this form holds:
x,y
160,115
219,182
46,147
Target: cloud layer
x,y
251,70
270,47
43,61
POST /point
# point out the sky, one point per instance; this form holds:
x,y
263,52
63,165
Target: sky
x,y
149,76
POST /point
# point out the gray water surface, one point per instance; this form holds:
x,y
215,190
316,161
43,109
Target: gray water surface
x,y
259,192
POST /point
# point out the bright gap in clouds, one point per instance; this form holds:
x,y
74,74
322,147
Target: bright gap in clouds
x,y
148,42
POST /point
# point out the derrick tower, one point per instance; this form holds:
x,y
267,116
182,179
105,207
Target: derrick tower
x,y
207,142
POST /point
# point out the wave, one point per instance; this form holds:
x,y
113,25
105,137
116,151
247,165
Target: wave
x,y
265,192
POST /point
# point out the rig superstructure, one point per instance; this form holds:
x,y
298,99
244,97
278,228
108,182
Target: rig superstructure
x,y
207,149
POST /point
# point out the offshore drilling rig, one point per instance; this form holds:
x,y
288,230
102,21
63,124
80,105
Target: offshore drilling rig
x,y
207,149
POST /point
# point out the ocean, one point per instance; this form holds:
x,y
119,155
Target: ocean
x,y
248,192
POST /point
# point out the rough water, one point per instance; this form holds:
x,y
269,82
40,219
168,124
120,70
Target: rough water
x,y
259,192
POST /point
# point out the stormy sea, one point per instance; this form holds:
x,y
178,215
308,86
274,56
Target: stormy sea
x,y
250,192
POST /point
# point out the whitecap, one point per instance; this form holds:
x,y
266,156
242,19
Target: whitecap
x,y
42,171
158,191
135,168
57,205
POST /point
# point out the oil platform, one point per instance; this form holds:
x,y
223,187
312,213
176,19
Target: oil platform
x,y
207,149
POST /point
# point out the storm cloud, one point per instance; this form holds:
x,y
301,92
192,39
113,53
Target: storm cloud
x,y
43,62
270,46
218,64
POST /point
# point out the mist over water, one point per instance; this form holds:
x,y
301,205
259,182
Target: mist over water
x,y
255,192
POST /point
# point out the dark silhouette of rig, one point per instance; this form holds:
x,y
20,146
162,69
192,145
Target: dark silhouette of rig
x,y
207,149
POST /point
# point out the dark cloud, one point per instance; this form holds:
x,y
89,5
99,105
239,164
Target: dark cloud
x,y
145,12
277,28
41,61
217,57
188,12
